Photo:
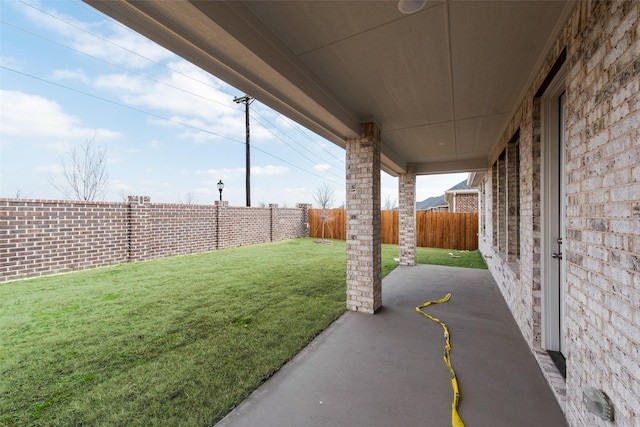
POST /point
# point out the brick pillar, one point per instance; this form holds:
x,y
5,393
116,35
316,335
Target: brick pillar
x,y
275,221
364,282
222,235
407,215
139,228
305,217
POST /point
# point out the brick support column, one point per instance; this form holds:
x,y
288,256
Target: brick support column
x,y
364,282
139,228
275,221
305,217
407,215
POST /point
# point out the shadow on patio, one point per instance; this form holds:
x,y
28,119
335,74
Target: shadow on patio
x,y
387,369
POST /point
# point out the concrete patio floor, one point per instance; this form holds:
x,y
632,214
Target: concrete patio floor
x,y
387,369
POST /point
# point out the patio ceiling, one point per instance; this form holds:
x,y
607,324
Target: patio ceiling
x,y
441,84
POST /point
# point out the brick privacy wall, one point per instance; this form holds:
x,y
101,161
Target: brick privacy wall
x,y
43,237
289,224
241,226
177,229
602,40
466,203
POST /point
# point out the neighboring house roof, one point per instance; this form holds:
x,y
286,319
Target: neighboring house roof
x,y
437,201
429,203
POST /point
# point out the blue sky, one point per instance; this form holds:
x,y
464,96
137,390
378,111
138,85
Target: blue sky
x,y
68,74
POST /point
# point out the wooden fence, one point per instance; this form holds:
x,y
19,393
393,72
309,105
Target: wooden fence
x,y
433,229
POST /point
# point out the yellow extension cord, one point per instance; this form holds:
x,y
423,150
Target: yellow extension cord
x,y
456,421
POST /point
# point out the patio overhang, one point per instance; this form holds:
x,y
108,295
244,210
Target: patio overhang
x,y
441,84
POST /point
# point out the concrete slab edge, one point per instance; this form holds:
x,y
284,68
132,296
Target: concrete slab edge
x,y
555,380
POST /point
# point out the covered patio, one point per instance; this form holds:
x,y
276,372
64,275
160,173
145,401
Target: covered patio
x,y
387,370
538,99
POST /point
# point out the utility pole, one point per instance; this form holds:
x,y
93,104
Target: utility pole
x,y
247,100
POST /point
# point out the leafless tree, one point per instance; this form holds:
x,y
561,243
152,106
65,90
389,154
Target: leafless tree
x,y
124,195
324,197
20,194
388,203
84,168
190,199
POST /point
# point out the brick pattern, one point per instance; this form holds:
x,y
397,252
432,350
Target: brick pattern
x,y
241,226
501,196
176,229
603,224
602,41
364,282
43,237
513,202
289,224
465,203
407,216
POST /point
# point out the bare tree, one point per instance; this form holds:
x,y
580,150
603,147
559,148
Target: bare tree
x,y
388,203
190,199
124,195
84,169
324,197
20,194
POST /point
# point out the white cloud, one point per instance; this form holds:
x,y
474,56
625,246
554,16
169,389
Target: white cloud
x,y
189,98
12,63
77,75
29,116
103,39
222,173
322,167
154,145
51,169
269,170
120,46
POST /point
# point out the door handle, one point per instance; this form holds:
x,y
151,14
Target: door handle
x,y
556,255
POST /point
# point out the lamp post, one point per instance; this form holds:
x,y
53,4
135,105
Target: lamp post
x,y
220,187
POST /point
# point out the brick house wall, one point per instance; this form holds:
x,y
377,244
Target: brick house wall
x,y
43,237
601,41
466,203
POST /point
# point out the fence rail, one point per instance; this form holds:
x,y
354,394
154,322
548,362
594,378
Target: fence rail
x,y
433,229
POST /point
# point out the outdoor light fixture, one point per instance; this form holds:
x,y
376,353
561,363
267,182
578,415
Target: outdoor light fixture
x,y
598,403
411,6
220,187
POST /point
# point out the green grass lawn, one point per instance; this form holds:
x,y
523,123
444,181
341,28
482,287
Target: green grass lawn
x,y
177,341
450,257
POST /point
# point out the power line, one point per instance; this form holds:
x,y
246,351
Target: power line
x,y
154,79
147,59
297,127
292,147
139,110
119,46
123,68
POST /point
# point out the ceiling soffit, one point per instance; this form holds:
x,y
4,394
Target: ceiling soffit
x,y
441,84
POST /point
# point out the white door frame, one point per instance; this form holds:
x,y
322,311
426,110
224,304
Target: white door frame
x,y
553,216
